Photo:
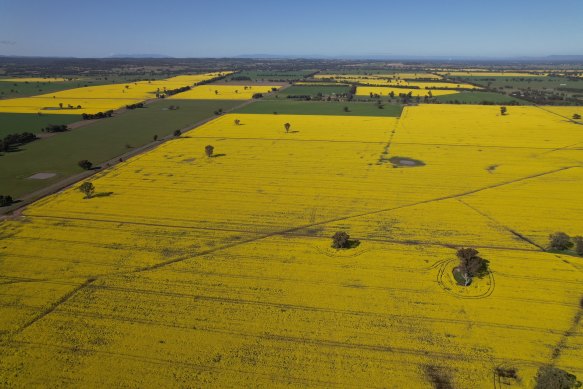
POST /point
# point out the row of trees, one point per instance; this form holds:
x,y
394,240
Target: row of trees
x,y
55,128
98,115
10,141
134,106
170,92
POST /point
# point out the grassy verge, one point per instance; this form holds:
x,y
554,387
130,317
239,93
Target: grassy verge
x,y
98,142
320,108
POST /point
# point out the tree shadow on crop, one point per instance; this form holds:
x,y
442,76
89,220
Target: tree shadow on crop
x,y
218,155
102,194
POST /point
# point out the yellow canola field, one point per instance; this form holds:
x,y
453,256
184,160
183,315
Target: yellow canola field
x,y
419,84
93,99
224,92
385,91
218,272
521,127
432,85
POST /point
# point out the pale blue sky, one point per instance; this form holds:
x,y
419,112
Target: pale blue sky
x,y
228,27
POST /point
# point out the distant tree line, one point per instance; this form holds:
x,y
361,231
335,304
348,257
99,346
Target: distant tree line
x,y
55,128
134,106
12,140
170,92
98,115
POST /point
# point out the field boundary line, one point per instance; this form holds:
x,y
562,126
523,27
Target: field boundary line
x,y
515,233
298,228
55,305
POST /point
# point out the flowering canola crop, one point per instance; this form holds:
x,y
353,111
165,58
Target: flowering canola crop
x,y
386,91
224,92
93,99
199,271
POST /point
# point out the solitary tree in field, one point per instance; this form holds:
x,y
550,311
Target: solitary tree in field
x,y
85,164
503,111
177,133
560,241
578,245
155,137
340,240
237,122
576,116
61,105
287,126
470,263
87,189
208,150
5,201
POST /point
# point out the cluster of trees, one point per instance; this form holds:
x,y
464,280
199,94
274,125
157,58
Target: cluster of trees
x,y
219,112
134,106
257,95
170,92
241,78
560,241
98,115
483,102
85,164
341,240
69,106
5,200
55,128
470,264
549,377
12,140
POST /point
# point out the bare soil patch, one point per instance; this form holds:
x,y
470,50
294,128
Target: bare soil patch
x,y
42,176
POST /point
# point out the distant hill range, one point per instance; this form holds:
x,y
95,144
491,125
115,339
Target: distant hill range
x,y
139,56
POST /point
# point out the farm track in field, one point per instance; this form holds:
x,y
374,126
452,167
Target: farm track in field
x,y
160,292
571,332
56,304
513,232
451,245
285,231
